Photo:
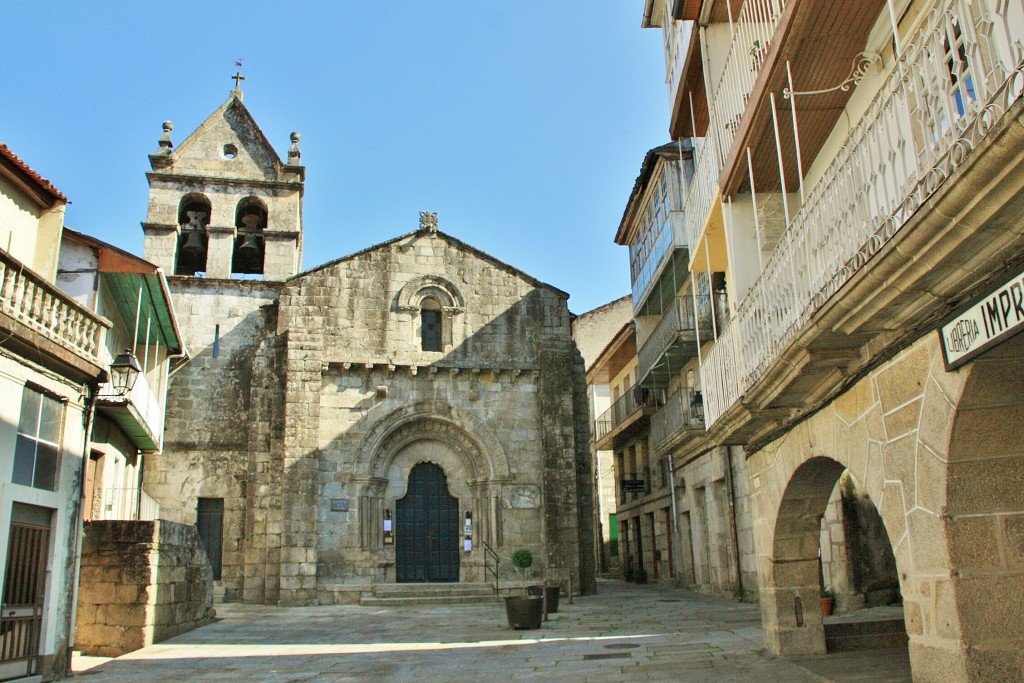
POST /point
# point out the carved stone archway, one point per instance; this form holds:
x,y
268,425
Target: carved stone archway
x,y
413,428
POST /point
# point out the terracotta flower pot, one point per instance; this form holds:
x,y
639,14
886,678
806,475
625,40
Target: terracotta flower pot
x,y
826,607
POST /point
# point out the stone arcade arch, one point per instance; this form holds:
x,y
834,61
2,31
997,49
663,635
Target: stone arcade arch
x,y
794,561
941,455
984,506
891,430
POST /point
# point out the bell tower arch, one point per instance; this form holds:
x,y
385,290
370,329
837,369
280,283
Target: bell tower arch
x,y
223,204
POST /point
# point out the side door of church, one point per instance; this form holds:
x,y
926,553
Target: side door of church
x,y
427,529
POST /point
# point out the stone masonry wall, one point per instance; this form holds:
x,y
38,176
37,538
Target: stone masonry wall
x,y
939,454
220,408
319,402
141,583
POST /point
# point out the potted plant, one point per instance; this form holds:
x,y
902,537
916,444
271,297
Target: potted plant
x,y
552,591
826,602
524,611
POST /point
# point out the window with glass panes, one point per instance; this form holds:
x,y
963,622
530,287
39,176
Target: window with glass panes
x,y
36,452
655,237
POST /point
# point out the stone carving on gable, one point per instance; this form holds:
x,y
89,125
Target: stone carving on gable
x,y
428,221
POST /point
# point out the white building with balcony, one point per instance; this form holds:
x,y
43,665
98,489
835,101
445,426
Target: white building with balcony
x,y
51,366
706,519
858,183
129,425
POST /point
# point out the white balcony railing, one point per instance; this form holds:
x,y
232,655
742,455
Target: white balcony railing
x,y
701,193
752,31
677,42
42,307
719,375
144,400
128,504
960,72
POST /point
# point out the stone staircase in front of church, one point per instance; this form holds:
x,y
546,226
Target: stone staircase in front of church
x,y
401,594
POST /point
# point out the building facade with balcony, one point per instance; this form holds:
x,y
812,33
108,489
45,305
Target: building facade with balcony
x,y
594,333
129,426
858,181
643,507
51,367
142,579
675,309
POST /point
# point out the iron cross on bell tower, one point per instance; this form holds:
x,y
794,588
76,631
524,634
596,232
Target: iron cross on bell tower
x,y
238,77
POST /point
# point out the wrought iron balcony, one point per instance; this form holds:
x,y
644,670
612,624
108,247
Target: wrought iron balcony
x,y
46,319
627,407
675,417
673,342
932,112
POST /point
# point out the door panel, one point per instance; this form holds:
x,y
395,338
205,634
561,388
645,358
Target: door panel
x,y
210,525
28,545
427,529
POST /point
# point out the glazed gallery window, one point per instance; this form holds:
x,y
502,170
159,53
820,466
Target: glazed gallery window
x,y
36,452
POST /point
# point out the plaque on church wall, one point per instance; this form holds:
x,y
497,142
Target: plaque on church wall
x,y
339,504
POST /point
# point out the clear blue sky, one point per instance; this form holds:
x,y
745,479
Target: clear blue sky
x,y
522,124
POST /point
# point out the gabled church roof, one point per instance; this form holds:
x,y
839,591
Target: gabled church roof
x,y
498,263
252,139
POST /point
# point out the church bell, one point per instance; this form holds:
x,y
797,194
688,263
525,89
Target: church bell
x,y
249,245
194,243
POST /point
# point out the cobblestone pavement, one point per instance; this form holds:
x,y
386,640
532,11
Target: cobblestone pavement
x,y
625,633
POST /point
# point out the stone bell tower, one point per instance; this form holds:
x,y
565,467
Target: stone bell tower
x,y
223,204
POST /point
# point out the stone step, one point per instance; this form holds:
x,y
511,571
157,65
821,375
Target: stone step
x,y
865,635
415,590
454,599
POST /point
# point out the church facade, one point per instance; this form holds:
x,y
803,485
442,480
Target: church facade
x,y
392,416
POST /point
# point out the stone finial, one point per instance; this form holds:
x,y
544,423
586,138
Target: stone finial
x,y
165,140
428,221
293,152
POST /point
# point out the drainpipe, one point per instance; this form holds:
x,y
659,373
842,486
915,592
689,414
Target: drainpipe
x,y
732,521
675,518
93,390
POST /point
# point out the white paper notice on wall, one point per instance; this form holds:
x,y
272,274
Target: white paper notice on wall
x,y
467,545
387,525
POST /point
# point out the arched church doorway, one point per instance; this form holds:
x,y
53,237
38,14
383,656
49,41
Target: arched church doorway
x,y
427,529
830,539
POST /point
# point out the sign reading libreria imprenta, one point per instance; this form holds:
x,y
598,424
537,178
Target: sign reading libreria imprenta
x,y
995,318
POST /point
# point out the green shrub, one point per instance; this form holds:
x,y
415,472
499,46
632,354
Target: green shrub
x,y
522,558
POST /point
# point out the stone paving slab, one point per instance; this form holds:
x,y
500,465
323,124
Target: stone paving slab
x,y
625,633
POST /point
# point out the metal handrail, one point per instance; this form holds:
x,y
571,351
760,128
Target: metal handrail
x,y
488,553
